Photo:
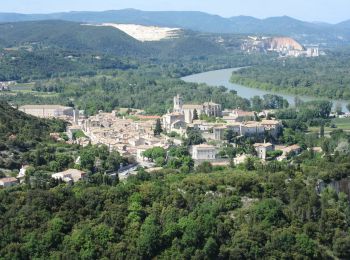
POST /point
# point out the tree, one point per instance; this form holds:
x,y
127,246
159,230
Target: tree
x,y
205,167
257,103
155,153
195,115
87,159
322,130
113,161
338,109
194,137
249,164
158,128
229,135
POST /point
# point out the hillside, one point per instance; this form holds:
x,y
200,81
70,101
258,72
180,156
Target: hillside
x,y
71,36
198,21
83,38
20,133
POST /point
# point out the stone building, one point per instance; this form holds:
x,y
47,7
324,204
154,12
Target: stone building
x,y
47,111
262,149
70,175
204,152
188,110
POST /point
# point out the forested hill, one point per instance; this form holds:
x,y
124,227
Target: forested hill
x,y
71,36
84,38
20,132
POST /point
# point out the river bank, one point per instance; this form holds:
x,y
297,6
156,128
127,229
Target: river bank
x,y
222,78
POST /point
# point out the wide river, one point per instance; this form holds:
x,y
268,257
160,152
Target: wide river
x,y
222,78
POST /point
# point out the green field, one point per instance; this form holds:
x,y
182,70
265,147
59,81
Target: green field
x,y
340,123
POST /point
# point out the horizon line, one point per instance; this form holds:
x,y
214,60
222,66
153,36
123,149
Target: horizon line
x,y
135,9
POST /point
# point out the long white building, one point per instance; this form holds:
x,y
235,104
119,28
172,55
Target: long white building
x,y
47,111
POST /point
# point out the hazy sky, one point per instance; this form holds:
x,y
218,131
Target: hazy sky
x,y
309,10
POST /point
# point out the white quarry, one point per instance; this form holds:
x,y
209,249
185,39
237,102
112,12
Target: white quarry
x,y
146,33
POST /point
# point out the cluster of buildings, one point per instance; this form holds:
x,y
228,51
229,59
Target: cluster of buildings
x,y
240,123
132,137
125,135
262,150
68,176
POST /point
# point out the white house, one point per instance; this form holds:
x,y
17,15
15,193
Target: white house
x,y
262,149
204,152
70,175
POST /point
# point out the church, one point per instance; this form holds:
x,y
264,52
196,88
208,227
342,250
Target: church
x,y
188,110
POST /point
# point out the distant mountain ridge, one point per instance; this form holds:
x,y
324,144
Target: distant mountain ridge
x,y
307,32
194,20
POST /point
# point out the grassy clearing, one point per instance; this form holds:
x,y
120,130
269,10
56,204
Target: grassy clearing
x,y
340,123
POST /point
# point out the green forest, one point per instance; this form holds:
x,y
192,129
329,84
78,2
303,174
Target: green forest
x,y
259,211
325,76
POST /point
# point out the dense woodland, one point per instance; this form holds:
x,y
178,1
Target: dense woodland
x,y
20,133
239,213
325,76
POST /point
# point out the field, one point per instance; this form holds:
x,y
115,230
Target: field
x,y
337,123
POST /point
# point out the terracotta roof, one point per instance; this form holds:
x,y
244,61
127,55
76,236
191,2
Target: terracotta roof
x,y
8,180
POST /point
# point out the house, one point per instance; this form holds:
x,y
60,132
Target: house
x,y
274,127
238,115
288,151
204,152
252,128
240,159
70,175
8,182
219,132
292,150
262,149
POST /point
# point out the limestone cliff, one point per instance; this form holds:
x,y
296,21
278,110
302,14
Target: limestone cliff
x,y
278,43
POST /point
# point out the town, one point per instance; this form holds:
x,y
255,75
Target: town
x,y
214,131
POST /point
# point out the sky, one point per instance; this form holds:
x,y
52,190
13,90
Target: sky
x,y
332,11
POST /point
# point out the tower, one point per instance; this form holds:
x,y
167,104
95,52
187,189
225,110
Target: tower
x,y
178,103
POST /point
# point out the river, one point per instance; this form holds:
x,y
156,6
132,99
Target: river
x,y
222,78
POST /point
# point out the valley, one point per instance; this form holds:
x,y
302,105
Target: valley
x,y
135,134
